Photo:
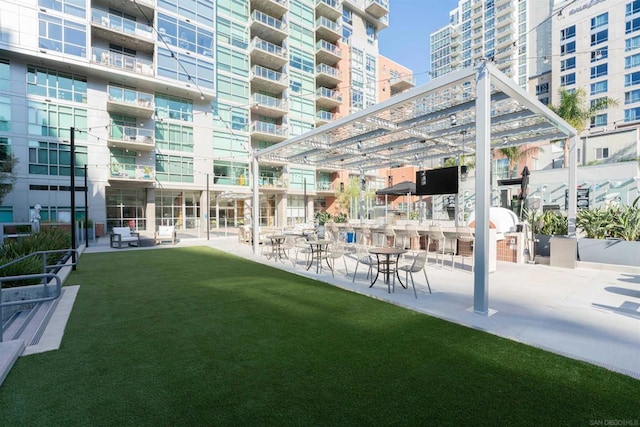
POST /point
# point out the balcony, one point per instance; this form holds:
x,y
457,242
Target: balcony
x,y
267,79
324,187
504,42
268,106
122,62
132,173
328,98
267,27
131,138
130,102
377,8
268,132
328,53
112,27
329,8
268,54
506,8
401,82
505,53
273,183
326,75
323,117
328,29
271,7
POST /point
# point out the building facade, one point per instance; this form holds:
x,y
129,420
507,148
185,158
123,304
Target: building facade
x,y
164,100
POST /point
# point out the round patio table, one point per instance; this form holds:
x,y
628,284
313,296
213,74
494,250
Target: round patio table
x,y
387,266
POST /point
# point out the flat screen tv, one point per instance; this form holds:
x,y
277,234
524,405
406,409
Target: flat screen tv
x,y
437,181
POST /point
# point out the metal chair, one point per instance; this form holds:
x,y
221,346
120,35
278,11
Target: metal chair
x,y
412,233
301,247
335,251
437,235
419,263
464,235
365,258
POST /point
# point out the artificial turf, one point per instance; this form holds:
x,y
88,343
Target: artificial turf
x,y
193,336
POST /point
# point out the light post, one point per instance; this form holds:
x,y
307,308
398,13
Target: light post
x,y
72,164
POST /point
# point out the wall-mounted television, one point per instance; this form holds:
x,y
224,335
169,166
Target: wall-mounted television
x,y
437,181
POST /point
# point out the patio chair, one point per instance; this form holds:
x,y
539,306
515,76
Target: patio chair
x,y
302,247
334,252
412,235
419,263
466,239
437,235
364,257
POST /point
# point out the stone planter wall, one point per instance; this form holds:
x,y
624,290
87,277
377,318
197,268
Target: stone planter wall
x,y
618,252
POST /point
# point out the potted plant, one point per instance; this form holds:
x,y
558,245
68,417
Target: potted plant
x,y
544,226
321,218
612,235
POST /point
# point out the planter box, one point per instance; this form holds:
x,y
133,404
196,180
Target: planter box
x,y
619,252
543,245
563,252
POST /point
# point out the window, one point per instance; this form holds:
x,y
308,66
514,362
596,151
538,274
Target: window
x,y
371,32
599,37
233,61
599,21
71,7
174,108
599,87
174,168
5,114
632,25
51,84
632,114
632,79
347,16
633,7
568,48
53,158
346,35
174,137
632,61
48,119
371,64
183,67
594,103
632,43
357,100
5,83
599,71
230,173
5,155
568,64
602,53
568,32
61,35
632,96
569,79
602,153
184,35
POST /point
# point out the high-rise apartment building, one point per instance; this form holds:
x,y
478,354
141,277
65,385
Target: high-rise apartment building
x,y
169,98
511,33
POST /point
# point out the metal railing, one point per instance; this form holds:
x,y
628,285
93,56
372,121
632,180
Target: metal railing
x,y
130,96
120,24
44,275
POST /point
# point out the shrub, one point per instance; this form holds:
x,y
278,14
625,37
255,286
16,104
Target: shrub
x,y
45,240
616,222
552,223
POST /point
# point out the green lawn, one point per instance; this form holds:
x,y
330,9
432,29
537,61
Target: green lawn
x,y
192,336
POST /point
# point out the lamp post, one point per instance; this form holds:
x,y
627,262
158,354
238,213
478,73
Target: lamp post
x,y
86,207
206,215
72,164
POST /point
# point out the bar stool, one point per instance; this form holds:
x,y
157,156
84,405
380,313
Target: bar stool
x,y
437,235
466,239
389,235
411,235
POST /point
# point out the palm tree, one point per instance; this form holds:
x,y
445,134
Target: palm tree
x,y
515,153
572,108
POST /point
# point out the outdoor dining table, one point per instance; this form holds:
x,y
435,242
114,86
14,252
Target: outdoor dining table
x,y
276,246
387,266
317,247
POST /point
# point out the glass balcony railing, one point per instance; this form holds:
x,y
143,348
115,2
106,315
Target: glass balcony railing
x,y
268,47
130,96
120,24
325,116
331,3
323,44
268,128
324,186
132,172
273,182
131,134
121,61
329,93
268,101
267,74
328,69
325,22
383,3
268,20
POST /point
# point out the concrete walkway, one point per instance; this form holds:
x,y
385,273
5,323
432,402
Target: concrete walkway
x,y
589,314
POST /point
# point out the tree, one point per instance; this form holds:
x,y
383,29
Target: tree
x,y
349,192
8,163
573,109
515,153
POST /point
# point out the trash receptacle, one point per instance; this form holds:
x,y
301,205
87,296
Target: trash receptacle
x,y
350,237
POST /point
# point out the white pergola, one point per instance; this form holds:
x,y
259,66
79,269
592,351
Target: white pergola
x,y
479,107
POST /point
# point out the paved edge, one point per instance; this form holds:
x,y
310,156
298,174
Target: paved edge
x,y
9,353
